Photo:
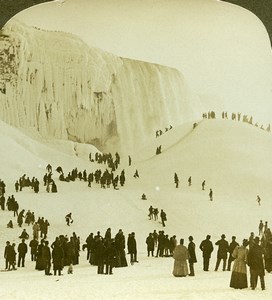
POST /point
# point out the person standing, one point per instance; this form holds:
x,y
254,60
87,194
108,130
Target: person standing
x,y
211,195
192,255
57,256
203,185
232,246
239,272
176,180
261,225
256,265
46,257
180,255
22,250
206,247
7,254
34,248
132,248
163,217
150,244
222,252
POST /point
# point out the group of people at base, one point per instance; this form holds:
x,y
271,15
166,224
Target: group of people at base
x,y
241,255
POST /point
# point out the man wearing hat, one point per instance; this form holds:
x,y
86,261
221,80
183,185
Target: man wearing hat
x,y
256,264
222,252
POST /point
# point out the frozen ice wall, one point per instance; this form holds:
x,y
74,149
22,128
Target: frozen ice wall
x,y
54,82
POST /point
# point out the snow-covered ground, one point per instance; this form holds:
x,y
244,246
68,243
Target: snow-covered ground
x,y
233,157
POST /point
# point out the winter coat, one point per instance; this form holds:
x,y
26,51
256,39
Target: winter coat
x,y
46,253
223,247
150,243
131,243
11,256
57,256
206,247
191,250
34,246
181,256
255,259
22,248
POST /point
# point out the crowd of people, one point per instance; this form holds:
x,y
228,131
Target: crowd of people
x,y
107,252
236,117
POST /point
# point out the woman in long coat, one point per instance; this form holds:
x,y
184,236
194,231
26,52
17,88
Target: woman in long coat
x,y
57,255
239,272
181,256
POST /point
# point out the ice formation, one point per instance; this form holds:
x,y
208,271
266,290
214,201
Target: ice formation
x,y
54,82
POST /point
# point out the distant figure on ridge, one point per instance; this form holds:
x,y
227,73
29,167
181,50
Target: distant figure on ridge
x,y
203,185
211,195
258,199
176,180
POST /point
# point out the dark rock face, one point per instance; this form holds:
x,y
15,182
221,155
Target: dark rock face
x,y
10,8
261,8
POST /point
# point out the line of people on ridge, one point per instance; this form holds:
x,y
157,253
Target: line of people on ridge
x,y
236,116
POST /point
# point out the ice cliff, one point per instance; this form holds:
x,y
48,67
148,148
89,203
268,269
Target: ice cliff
x,y
54,82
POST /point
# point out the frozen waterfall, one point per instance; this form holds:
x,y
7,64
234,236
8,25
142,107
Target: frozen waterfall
x,y
54,82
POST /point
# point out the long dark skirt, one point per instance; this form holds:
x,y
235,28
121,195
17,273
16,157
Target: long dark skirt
x,y
238,280
40,265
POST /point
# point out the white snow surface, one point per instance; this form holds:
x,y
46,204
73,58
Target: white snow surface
x,y
222,50
65,89
232,157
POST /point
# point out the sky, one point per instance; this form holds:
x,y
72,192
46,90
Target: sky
x,y
222,50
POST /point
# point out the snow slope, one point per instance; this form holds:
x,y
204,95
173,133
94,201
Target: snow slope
x,y
233,157
54,82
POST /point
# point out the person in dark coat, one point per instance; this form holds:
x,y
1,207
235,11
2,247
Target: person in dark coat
x,y
10,224
110,257
89,243
132,248
206,247
7,253
20,218
39,261
54,187
150,244
211,195
22,250
68,219
192,256
256,265
57,256
69,252
24,235
120,244
222,252
33,244
12,257
46,257
161,244
100,256
163,217
233,244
